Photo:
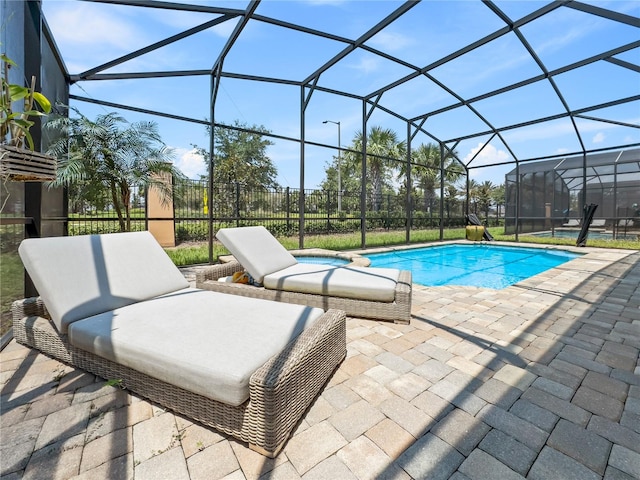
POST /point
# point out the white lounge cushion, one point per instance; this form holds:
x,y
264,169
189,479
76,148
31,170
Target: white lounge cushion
x,y
206,342
256,249
81,276
376,284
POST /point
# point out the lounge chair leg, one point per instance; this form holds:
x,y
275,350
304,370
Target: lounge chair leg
x,y
266,453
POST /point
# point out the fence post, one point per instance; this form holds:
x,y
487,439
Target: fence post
x,y
288,208
430,212
388,211
237,207
328,211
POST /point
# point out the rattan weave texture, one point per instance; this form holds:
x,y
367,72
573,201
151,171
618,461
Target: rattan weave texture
x,y
398,311
279,392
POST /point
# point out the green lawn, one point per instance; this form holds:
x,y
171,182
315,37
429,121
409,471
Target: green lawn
x,y
621,244
191,255
11,287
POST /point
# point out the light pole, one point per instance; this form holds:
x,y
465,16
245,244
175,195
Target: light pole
x,y
339,166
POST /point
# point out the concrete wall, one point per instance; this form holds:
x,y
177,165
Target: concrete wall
x,y
160,212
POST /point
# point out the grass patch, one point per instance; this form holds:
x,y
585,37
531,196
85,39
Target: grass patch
x,y
195,254
11,287
352,241
598,243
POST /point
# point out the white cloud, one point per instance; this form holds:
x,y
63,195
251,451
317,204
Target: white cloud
x,y
391,41
178,20
562,39
598,138
366,65
542,131
190,163
560,128
489,155
225,29
86,24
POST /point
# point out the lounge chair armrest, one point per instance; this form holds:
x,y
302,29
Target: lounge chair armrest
x,y
404,287
28,307
214,272
281,366
290,380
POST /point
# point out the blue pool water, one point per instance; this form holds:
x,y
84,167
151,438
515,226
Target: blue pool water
x,y
488,266
321,260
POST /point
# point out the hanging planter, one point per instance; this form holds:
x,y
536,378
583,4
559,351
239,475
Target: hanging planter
x,y
18,163
24,165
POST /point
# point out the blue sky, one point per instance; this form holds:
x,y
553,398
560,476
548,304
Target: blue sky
x,y
89,34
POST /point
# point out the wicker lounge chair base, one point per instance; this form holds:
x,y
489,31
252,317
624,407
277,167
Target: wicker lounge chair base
x,y
279,392
398,311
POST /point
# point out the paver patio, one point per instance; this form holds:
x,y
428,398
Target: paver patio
x,y
539,380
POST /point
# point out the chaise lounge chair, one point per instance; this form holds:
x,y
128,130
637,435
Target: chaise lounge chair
x,y
115,305
625,223
572,222
376,293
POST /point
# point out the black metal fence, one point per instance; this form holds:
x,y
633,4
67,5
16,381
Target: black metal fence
x,y
325,212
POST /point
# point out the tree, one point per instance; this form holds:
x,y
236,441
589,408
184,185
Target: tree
x,y
349,181
240,160
450,198
498,197
113,154
426,170
473,195
240,156
484,196
383,152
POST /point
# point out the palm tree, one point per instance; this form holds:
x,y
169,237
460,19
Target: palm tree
x,y
383,148
485,192
498,198
426,170
474,187
110,153
450,200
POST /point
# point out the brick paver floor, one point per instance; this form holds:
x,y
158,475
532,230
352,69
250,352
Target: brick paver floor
x,y
539,380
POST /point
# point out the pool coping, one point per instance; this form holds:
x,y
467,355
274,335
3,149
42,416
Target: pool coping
x,y
590,258
392,248
354,258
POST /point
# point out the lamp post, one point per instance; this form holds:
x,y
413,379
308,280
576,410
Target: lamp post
x,y
339,166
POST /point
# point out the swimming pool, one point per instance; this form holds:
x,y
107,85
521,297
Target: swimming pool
x,y
482,265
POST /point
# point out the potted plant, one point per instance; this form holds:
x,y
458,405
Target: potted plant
x,y
18,161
